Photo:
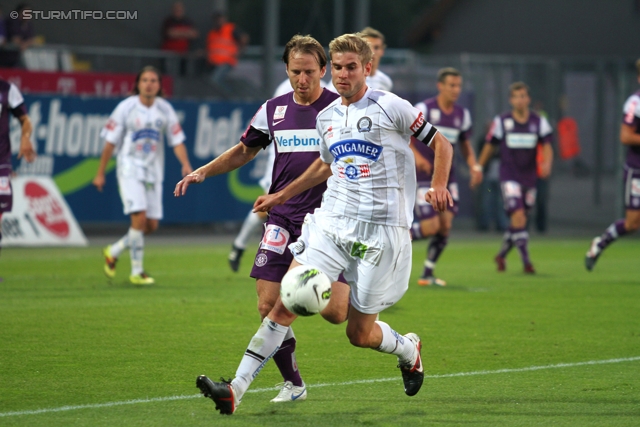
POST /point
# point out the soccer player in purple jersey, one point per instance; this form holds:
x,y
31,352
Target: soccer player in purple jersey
x,y
289,122
11,103
518,133
362,227
454,122
629,136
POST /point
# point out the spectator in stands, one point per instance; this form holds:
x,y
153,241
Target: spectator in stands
x,y
224,43
178,30
20,30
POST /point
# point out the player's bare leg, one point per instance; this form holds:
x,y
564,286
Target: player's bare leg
x,y
436,246
620,228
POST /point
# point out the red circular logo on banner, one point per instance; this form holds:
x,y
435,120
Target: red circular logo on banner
x,y
47,209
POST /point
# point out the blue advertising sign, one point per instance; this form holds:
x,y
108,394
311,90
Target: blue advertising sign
x,y
66,133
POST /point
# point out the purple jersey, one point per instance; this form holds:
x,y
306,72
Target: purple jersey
x,y
518,146
455,126
297,143
632,118
11,101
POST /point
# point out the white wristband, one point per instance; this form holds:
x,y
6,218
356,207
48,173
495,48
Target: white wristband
x,y
476,168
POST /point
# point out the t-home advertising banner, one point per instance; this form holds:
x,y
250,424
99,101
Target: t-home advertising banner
x,y
66,132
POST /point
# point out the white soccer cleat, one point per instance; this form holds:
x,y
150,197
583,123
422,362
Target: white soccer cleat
x,y
290,393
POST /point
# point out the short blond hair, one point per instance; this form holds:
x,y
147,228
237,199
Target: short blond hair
x,y
355,43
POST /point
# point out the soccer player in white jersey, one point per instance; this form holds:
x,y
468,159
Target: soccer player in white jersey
x,y
630,137
362,226
135,131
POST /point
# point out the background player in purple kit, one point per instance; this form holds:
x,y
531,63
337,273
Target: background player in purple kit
x,y
518,133
630,136
454,122
11,102
289,122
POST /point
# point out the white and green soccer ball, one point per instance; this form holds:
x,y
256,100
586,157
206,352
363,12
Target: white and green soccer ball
x,y
305,290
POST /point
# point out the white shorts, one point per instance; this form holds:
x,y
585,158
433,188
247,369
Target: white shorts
x,y
138,196
375,259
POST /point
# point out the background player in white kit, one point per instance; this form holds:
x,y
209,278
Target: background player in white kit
x,y
362,227
135,130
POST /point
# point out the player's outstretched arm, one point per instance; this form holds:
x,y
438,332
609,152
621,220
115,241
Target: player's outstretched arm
x,y
26,148
315,174
107,152
235,157
475,170
438,195
486,154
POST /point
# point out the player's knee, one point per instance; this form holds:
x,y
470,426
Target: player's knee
x,y
632,224
358,339
264,308
334,316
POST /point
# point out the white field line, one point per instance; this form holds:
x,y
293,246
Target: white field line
x,y
345,383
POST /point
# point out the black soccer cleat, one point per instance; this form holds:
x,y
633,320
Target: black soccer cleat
x,y
221,393
412,372
234,258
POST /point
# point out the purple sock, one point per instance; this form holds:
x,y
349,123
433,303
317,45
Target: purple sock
x,y
285,359
520,238
507,243
610,235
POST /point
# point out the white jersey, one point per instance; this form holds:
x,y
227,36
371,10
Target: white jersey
x,y
380,81
136,131
367,144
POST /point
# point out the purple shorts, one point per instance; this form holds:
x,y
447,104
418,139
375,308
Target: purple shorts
x,y
516,196
424,211
6,191
631,188
274,257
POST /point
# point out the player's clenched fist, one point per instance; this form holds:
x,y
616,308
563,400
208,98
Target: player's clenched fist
x,y
195,177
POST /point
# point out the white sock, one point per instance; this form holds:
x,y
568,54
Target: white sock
x,y
264,344
251,223
119,246
394,343
136,250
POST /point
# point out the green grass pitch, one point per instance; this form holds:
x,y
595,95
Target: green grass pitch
x,y
559,348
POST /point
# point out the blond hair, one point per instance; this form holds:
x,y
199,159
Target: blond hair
x,y
354,43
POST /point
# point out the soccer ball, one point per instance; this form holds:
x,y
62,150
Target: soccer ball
x,y
305,290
